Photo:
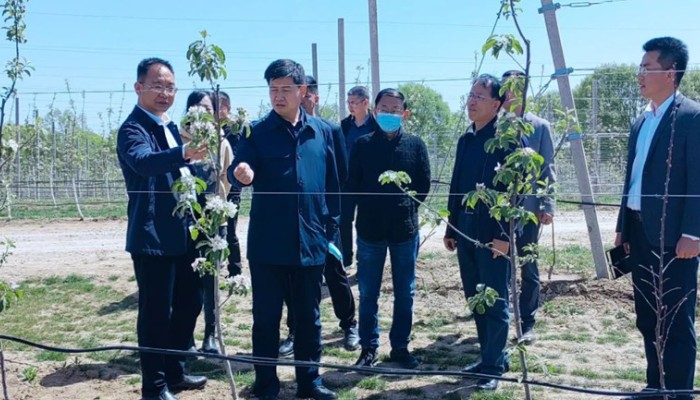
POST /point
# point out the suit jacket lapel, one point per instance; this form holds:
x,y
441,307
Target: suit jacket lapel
x,y
664,126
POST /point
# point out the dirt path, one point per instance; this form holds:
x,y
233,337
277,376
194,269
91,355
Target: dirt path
x,y
96,247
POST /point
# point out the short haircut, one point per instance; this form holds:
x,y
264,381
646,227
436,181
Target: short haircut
x,y
489,81
389,92
146,63
195,98
285,68
673,54
311,84
359,91
223,96
512,72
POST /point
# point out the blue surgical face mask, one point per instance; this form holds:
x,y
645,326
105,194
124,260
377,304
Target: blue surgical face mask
x,y
389,123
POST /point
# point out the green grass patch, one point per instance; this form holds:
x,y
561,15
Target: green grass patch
x,y
572,258
586,373
46,355
339,352
616,337
372,383
67,311
630,374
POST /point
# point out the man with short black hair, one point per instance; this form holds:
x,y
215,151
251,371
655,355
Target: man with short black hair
x,y
387,219
293,220
336,277
669,129
151,156
360,122
477,265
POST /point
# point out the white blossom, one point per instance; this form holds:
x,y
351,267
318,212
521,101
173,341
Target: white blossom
x,y
198,262
188,181
215,203
238,281
196,110
12,145
480,187
498,167
230,209
218,243
529,151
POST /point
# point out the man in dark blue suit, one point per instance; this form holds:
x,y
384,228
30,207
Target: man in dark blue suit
x,y
668,130
152,157
294,215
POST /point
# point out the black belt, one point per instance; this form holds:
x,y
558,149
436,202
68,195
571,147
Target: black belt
x,y
634,214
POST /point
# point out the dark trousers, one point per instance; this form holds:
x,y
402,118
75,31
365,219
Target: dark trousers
x,y
234,268
234,245
529,279
340,292
208,288
269,284
477,265
680,290
347,216
170,298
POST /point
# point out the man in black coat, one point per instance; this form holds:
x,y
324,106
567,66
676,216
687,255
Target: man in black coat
x,y
387,219
334,271
152,157
360,122
289,159
669,129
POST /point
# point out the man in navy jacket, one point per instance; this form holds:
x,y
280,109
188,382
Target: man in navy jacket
x,y
294,214
477,265
152,157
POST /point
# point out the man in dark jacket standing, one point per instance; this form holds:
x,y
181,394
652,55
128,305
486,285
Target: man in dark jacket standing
x,y
662,158
294,215
477,265
360,122
152,157
334,272
387,218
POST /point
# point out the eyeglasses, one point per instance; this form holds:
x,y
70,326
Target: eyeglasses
x,y
355,103
169,90
646,71
477,97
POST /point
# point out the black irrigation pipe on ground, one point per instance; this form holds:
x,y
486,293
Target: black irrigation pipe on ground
x,y
349,368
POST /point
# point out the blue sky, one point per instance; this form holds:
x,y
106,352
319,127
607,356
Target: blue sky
x,y
95,45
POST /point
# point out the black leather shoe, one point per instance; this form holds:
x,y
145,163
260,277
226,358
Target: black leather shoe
x,y
287,347
318,393
163,396
188,382
404,358
209,344
473,368
351,342
487,384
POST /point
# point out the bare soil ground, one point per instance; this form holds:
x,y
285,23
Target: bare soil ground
x,y
586,327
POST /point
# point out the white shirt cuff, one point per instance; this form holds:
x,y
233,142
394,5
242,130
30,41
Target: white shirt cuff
x,y
691,236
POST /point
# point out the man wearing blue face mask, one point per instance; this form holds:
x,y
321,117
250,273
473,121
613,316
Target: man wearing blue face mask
x,y
387,218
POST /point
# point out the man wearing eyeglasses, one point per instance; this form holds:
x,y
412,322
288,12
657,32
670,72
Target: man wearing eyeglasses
x,y
152,156
360,122
475,167
662,159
